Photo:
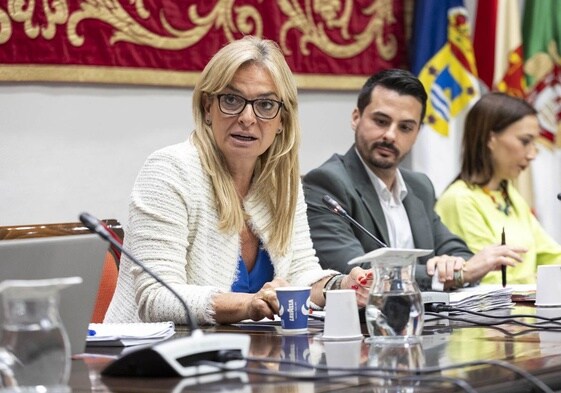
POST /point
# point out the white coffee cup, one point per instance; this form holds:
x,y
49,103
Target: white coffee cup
x,y
341,316
548,287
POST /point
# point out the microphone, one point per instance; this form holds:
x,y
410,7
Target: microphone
x,y
559,196
181,357
336,208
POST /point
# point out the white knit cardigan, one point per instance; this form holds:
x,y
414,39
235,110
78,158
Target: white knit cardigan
x,y
173,230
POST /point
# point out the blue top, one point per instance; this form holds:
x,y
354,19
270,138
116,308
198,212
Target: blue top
x,y
253,281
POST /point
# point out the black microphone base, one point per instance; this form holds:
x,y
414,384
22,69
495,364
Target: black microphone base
x,y
182,357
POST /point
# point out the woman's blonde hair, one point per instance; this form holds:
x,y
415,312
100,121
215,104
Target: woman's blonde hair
x,y
276,176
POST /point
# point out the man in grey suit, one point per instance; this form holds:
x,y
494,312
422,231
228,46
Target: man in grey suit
x,y
396,205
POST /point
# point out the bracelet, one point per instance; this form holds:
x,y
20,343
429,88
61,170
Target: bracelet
x,y
337,282
327,284
334,282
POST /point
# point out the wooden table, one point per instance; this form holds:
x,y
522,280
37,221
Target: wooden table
x,y
442,344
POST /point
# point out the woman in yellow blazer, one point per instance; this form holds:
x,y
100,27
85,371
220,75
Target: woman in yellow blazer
x,y
498,144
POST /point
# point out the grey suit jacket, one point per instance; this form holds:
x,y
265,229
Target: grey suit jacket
x,y
337,241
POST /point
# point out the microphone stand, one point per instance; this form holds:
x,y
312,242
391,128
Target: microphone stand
x,y
90,222
181,357
427,296
336,208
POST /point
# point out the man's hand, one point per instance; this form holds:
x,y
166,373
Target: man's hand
x,y
445,266
492,258
489,259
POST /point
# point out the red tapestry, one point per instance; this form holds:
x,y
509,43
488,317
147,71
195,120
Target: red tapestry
x,y
331,44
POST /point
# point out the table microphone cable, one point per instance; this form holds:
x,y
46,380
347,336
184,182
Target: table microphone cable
x,y
439,307
532,327
436,309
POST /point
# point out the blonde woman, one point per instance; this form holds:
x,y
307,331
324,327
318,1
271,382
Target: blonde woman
x,y
221,217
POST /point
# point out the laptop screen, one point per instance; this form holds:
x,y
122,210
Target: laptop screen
x,y
55,257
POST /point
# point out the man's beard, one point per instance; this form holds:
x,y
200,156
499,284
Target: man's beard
x,y
383,163
380,164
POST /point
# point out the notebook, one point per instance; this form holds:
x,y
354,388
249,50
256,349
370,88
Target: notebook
x,y
128,334
55,257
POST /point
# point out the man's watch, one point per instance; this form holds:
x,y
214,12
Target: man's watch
x,y
334,282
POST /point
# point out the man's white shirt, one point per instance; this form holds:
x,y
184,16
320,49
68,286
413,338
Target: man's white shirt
x,y
399,228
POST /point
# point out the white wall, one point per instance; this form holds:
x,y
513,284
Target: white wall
x,y
65,149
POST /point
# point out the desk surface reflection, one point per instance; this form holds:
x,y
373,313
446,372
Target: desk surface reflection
x,y
443,344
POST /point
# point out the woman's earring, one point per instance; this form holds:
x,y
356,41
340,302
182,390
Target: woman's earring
x,y
279,131
208,121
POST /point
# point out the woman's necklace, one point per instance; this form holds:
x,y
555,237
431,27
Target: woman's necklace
x,y
502,207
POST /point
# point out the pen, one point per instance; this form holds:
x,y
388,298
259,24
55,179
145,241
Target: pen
x,y
503,267
91,332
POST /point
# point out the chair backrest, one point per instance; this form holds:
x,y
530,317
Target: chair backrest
x,y
108,281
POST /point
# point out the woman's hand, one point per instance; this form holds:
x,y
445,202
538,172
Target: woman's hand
x,y
264,303
360,280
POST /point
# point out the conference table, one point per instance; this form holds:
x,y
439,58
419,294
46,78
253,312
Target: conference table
x,y
444,344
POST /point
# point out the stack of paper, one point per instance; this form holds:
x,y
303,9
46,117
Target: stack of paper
x,y
127,334
481,298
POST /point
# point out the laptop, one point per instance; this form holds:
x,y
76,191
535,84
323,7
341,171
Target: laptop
x,y
55,257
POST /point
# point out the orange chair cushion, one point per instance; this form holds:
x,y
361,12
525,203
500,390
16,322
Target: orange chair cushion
x,y
107,286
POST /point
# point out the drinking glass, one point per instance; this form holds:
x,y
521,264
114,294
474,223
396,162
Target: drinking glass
x,y
34,346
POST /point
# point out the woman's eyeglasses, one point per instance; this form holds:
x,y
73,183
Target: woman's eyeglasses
x,y
264,108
